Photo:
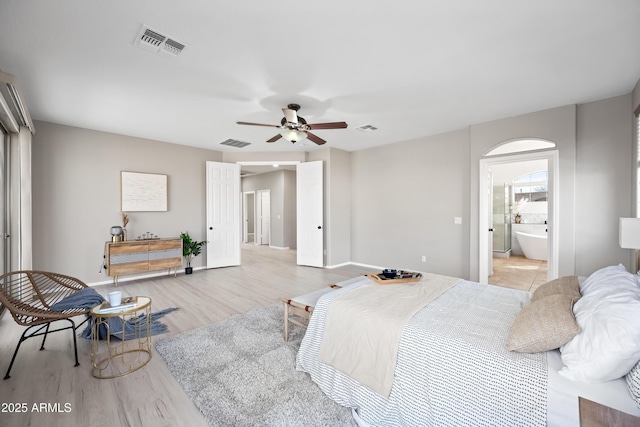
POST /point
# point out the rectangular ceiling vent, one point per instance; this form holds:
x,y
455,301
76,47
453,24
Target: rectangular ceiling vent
x,y
235,143
367,128
155,42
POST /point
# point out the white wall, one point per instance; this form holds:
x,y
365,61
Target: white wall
x,y
405,198
603,181
339,247
76,195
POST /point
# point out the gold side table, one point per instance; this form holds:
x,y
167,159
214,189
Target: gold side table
x,y
116,357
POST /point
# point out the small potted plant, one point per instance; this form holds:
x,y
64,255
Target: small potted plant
x,y
190,250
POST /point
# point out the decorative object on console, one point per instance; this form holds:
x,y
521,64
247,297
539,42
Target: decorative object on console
x,y
147,236
125,221
190,250
116,233
630,236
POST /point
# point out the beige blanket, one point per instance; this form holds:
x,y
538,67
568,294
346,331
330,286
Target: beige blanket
x,y
363,328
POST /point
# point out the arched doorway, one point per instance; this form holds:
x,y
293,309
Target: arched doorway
x,y
510,152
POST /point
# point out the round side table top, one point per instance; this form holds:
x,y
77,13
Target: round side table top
x,y
99,311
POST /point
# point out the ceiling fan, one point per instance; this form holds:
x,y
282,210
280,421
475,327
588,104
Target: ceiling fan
x,y
295,128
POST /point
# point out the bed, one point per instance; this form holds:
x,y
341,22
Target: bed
x,y
455,362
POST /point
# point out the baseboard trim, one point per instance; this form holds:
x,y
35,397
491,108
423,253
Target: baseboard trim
x,y
132,277
279,247
359,264
344,264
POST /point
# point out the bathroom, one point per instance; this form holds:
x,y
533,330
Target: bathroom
x,y
520,210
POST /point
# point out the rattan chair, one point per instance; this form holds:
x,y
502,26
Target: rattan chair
x,y
29,295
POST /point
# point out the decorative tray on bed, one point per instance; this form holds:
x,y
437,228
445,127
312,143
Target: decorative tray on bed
x,y
401,277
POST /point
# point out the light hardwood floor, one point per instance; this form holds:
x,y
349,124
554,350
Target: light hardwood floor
x,y
149,396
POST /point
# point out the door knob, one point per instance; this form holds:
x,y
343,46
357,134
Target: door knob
x,y
210,228
491,229
319,227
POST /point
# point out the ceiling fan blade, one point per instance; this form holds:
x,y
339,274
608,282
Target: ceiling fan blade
x,y
315,138
332,125
290,115
275,138
257,124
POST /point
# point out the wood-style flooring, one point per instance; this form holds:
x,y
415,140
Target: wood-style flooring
x,y
70,396
55,393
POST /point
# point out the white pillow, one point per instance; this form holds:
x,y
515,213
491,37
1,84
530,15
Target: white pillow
x,y
608,315
607,277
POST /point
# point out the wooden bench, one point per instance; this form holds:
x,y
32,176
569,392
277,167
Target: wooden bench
x,y
298,310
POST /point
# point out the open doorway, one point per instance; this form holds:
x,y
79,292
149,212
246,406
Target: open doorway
x,y
289,211
248,216
225,210
486,216
273,185
519,216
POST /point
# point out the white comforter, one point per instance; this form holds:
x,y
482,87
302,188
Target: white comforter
x,y
452,368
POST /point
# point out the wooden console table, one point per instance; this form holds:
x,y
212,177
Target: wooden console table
x,y
139,256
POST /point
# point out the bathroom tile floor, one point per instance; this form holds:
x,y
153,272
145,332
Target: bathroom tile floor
x,y
518,272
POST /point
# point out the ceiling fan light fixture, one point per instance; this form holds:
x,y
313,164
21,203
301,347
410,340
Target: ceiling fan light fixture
x,y
293,135
296,129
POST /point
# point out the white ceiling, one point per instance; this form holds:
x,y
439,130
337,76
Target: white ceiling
x,y
409,68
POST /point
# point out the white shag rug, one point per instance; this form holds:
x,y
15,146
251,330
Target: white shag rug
x,y
241,372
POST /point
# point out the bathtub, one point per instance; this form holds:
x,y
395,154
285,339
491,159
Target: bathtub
x,y
533,247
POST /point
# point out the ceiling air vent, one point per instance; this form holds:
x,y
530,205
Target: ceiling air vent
x,y
235,143
367,128
153,41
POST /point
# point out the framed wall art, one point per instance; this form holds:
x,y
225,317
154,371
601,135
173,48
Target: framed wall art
x,y
143,192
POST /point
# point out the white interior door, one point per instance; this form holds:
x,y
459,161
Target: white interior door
x,y
490,224
248,215
265,217
223,214
309,195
